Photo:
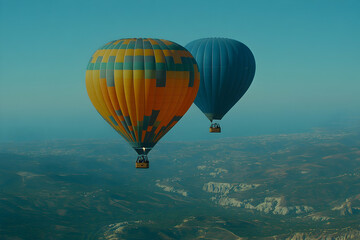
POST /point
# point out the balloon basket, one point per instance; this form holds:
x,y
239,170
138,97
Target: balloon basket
x,y
142,165
142,161
215,128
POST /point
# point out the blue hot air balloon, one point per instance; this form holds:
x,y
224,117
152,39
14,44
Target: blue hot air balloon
x,y
227,68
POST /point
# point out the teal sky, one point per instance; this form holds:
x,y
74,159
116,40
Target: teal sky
x,y
307,55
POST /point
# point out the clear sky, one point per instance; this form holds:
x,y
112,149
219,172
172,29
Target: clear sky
x,y
307,55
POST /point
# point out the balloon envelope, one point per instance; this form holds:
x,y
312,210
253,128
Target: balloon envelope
x,y
227,68
142,87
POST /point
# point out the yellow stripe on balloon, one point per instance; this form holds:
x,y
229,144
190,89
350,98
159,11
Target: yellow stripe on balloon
x,y
141,87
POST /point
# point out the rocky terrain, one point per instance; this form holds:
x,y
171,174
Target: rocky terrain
x,y
289,186
167,185
343,234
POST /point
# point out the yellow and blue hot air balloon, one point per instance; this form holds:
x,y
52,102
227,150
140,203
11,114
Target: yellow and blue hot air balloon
x,y
227,68
142,87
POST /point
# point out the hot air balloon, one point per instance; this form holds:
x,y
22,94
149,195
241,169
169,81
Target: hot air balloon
x,y
227,68
142,87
